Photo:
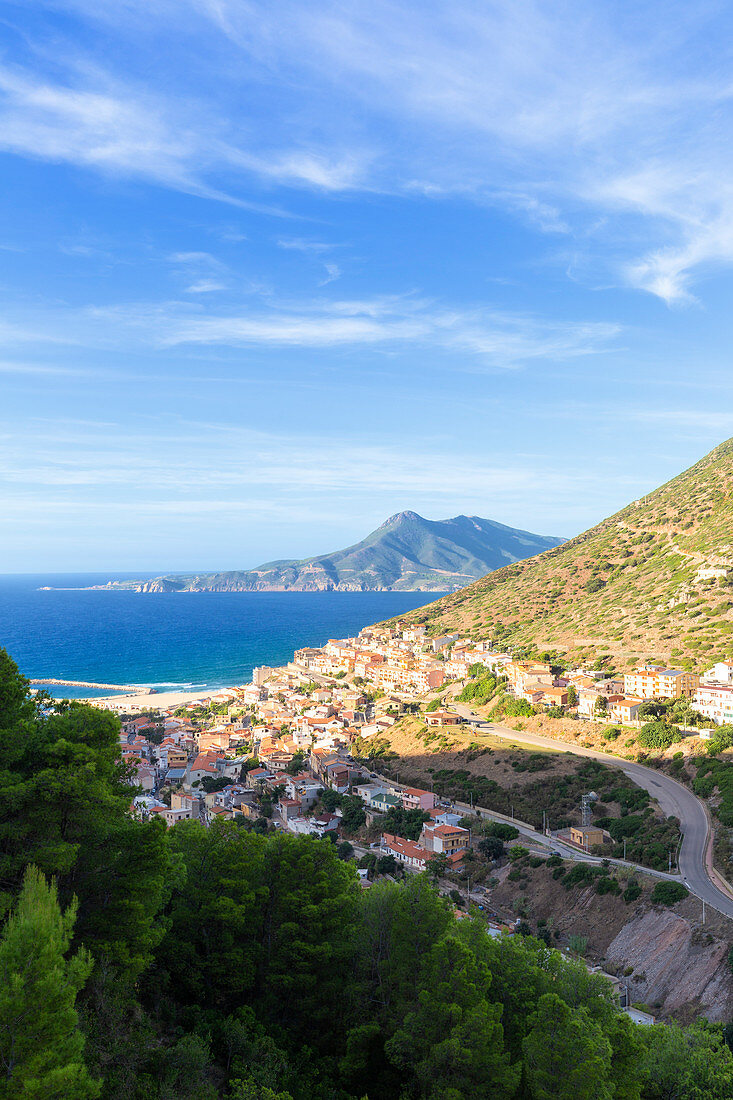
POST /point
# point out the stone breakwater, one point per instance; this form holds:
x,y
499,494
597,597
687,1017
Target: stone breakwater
x,y
88,684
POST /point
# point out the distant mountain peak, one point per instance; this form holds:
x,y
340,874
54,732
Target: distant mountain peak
x,y
407,553
400,517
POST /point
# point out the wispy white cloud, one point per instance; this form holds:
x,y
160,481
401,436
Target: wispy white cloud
x,y
698,420
205,286
121,129
202,272
254,467
32,369
562,114
498,339
471,338
121,132
333,272
301,244
197,258
554,112
324,171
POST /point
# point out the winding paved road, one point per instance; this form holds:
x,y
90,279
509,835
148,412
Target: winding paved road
x,y
695,859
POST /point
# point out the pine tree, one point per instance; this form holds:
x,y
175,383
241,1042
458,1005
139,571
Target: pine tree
x,y
41,1047
566,1055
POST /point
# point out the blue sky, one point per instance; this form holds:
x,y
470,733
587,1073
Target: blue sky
x,y
273,271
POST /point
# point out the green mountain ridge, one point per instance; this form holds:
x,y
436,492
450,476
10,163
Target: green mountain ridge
x,y
406,553
655,580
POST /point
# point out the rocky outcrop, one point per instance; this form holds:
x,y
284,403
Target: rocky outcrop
x,y
677,966
160,584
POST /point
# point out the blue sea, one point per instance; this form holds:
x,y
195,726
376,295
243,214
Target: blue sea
x,y
173,641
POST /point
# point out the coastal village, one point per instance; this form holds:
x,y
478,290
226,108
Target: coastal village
x,y
291,749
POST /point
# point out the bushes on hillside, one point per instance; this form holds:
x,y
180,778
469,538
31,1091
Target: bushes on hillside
x,y
632,891
404,823
721,740
711,774
501,830
481,689
667,893
514,708
658,735
582,874
491,847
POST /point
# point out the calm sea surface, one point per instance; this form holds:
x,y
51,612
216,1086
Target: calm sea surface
x,y
169,640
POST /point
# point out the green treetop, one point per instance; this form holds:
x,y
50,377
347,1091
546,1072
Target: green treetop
x,y
41,1047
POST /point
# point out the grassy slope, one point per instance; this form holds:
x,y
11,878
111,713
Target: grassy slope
x,y
646,556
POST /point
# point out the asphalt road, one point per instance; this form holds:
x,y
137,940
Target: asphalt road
x,y
673,798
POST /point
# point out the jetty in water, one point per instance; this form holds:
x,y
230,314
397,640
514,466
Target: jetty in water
x,y
96,687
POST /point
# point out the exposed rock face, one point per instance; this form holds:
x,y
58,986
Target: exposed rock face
x,y
160,584
675,966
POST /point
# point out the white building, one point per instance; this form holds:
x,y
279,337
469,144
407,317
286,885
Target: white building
x,y
260,674
253,694
714,700
722,672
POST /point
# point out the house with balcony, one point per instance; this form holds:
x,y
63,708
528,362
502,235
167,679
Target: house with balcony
x,y
624,709
414,798
448,840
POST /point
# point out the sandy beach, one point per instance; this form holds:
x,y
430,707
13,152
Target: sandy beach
x,y
162,700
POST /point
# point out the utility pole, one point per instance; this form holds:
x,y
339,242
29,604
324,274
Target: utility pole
x,y
624,848
670,861
512,811
703,909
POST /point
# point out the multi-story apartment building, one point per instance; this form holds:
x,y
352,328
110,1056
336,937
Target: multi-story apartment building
x,y
657,682
447,839
522,673
714,700
427,679
456,668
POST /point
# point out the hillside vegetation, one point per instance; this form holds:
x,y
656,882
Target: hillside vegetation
x,y
633,586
